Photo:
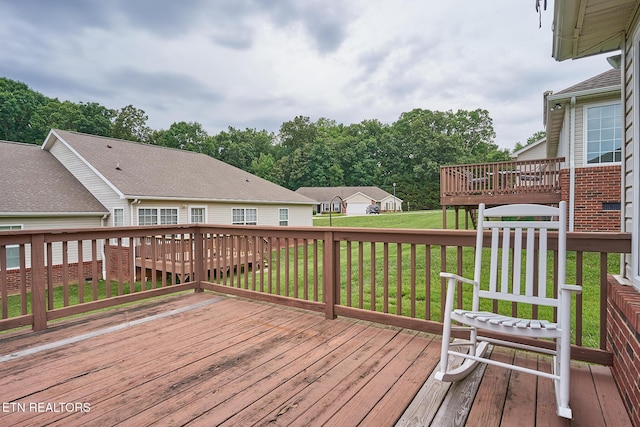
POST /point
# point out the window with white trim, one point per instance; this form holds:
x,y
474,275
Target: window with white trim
x,y
197,215
168,216
118,217
12,251
155,216
147,216
603,127
283,216
244,216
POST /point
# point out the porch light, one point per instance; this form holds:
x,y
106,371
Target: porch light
x,y
615,61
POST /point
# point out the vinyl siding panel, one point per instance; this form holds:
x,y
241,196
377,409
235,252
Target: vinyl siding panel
x,y
535,153
629,151
220,213
28,223
87,177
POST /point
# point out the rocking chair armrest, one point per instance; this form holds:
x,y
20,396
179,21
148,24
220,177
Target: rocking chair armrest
x,y
571,288
457,278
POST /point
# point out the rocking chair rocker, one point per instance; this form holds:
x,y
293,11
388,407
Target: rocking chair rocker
x,y
515,244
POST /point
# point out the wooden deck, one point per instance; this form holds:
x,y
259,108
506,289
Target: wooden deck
x,y
205,359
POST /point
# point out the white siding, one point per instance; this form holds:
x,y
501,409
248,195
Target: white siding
x,y
57,223
90,180
220,213
299,215
632,47
535,153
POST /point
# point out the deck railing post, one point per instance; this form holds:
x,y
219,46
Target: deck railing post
x,y
329,275
199,258
38,280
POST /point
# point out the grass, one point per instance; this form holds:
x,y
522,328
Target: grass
x,y
386,298
415,219
393,285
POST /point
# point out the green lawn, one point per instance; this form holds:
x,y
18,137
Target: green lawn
x,y
433,219
416,219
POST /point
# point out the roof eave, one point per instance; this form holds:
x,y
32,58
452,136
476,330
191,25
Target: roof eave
x,y
207,200
51,214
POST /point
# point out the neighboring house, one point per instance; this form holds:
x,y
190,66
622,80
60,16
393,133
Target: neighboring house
x,y
142,184
38,192
583,124
588,27
355,200
76,180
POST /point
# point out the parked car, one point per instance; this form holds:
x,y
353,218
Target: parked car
x,y
373,209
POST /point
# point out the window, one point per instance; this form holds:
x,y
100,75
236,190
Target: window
x,y
149,216
12,251
283,215
604,133
118,217
243,216
198,215
169,216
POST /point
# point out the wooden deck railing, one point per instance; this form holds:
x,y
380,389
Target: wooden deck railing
x,y
499,179
382,275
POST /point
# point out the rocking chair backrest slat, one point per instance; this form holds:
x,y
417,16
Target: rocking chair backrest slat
x,y
517,260
512,258
530,259
542,263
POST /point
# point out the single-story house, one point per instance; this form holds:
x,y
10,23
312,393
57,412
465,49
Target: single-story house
x,y
76,180
142,184
583,125
351,200
38,192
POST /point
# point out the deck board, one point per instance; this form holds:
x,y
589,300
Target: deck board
x,y
229,361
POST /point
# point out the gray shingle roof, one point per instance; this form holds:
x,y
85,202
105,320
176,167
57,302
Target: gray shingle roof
x,y
33,181
325,194
607,79
149,171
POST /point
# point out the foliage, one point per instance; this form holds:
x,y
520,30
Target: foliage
x,y
303,153
533,138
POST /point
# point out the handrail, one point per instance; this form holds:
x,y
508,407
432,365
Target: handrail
x,y
382,275
501,178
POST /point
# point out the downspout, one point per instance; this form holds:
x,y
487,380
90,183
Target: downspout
x,y
104,264
131,244
572,162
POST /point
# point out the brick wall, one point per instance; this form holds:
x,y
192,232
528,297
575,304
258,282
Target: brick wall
x,y
118,263
623,339
14,279
594,186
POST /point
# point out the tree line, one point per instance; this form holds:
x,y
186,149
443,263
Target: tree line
x,y
303,153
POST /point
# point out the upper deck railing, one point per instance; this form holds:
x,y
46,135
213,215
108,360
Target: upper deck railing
x,y
388,276
501,182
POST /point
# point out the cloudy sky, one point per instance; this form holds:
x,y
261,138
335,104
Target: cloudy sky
x,y
259,63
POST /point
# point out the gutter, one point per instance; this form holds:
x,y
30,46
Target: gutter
x,y
584,93
206,200
572,163
51,214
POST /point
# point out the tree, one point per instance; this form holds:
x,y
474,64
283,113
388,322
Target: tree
x,y
241,148
130,123
533,138
184,136
18,103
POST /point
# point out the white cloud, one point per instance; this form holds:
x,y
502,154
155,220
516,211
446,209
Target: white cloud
x,y
249,63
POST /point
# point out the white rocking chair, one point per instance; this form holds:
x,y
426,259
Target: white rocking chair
x,y
513,245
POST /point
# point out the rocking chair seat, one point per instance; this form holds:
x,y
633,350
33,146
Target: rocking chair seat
x,y
506,324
